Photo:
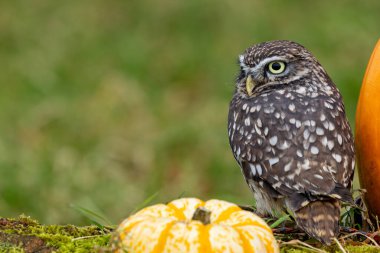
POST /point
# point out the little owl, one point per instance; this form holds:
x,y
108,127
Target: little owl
x,y
289,133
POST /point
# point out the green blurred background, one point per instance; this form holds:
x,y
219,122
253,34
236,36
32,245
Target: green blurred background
x,y
104,103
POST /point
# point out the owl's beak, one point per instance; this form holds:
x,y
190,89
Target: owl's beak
x,y
249,85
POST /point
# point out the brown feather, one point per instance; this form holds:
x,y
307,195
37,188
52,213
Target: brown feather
x,y
320,219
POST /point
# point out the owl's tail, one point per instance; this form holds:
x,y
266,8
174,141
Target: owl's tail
x,y
320,219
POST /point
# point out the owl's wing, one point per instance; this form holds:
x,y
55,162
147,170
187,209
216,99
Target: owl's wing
x,y
309,152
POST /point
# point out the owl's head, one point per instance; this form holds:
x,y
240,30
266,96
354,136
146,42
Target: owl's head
x,y
273,64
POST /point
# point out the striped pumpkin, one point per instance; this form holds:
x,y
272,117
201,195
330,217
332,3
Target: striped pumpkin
x,y
192,225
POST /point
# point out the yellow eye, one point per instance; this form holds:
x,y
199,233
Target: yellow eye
x,y
276,67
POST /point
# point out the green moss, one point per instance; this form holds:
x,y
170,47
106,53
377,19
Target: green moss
x,y
87,244
9,248
335,249
291,250
362,249
25,234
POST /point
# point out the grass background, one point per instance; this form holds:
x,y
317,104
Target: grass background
x,y
104,103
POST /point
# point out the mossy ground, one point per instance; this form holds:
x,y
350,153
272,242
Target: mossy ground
x,y
24,234
349,249
349,246
27,235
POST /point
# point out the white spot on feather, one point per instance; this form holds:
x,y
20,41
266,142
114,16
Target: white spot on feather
x,y
324,141
301,90
235,116
327,105
273,161
331,126
314,150
330,144
257,130
292,107
253,169
306,134
273,140
259,123
247,121
238,151
291,176
284,145
320,131
340,139
337,157
259,169
266,130
287,167
306,165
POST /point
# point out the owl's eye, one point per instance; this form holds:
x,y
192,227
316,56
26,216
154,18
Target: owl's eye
x,y
276,67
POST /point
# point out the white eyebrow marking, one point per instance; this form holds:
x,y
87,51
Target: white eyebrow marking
x,y
241,59
247,69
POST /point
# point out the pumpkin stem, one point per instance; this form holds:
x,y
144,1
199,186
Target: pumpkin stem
x,y
202,214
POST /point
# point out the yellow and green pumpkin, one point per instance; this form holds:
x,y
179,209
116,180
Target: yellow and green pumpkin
x,y
367,133
192,225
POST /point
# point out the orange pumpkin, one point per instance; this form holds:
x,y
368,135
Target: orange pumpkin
x,y
367,134
191,225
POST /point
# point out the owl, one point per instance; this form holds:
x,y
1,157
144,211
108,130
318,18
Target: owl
x,y
289,133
